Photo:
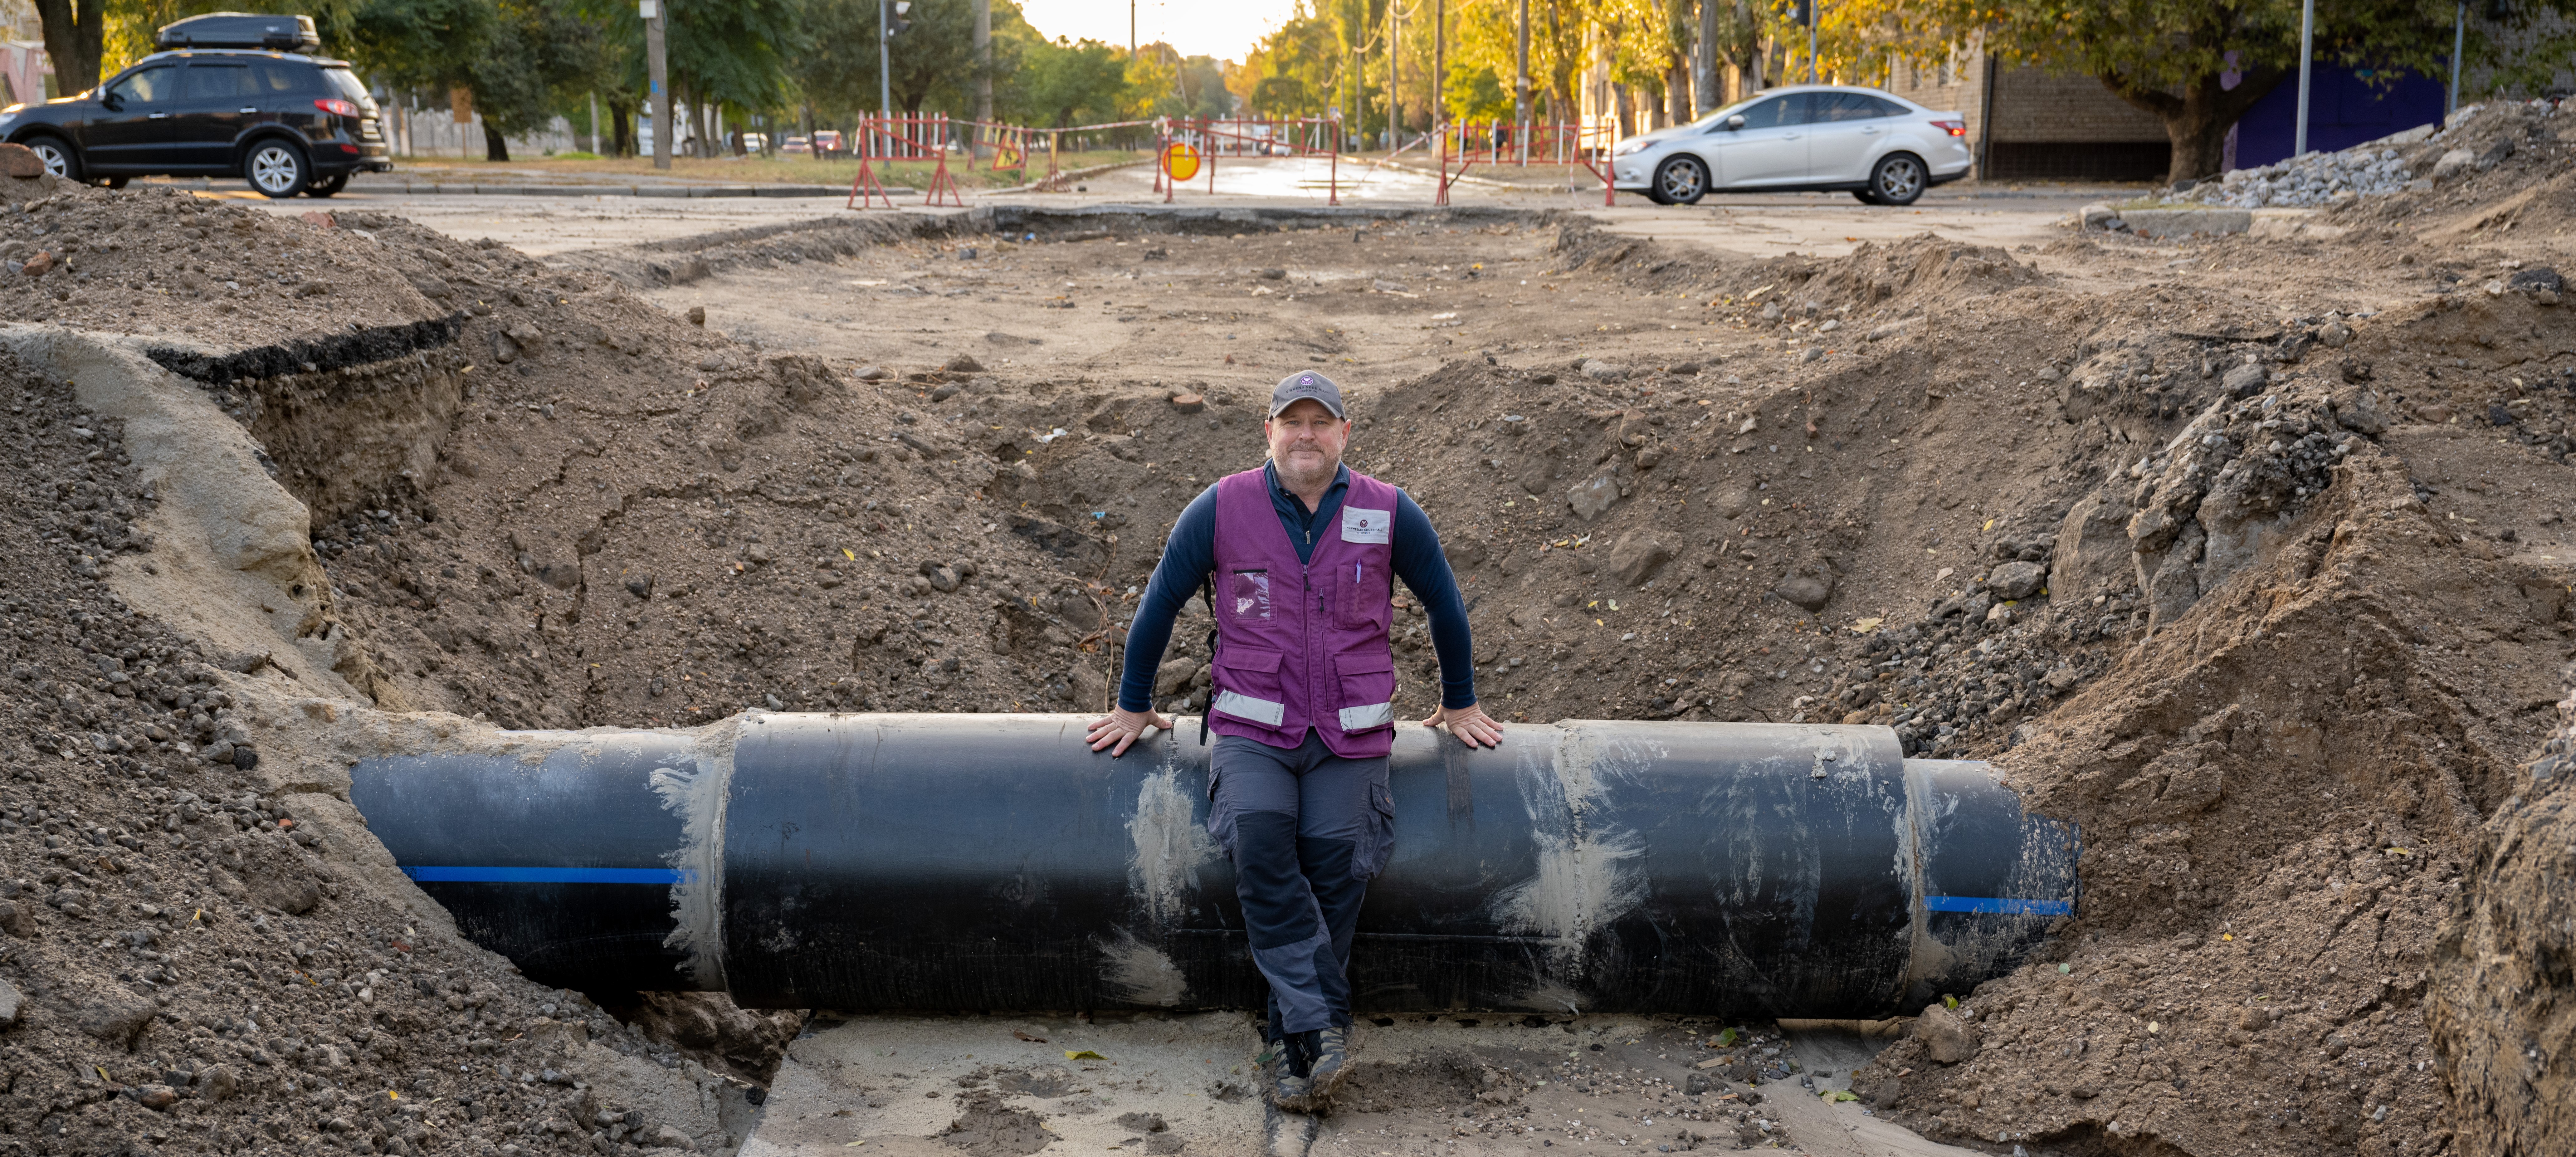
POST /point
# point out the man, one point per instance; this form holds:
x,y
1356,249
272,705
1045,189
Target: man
x,y
1301,557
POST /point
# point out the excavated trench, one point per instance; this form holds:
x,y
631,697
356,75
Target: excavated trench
x,y
2275,640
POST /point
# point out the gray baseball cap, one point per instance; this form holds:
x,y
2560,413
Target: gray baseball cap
x,y
1306,384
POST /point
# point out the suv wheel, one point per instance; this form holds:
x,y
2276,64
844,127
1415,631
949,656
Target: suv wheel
x,y
1681,181
58,156
325,186
277,168
1897,179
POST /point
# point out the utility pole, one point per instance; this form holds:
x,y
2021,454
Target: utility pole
x,y
1394,75
1704,85
1520,81
983,71
2459,45
658,65
1812,15
1439,65
2307,53
1131,29
885,58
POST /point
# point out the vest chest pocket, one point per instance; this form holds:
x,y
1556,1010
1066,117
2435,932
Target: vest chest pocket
x,y
1361,595
1247,596
1248,685
1368,690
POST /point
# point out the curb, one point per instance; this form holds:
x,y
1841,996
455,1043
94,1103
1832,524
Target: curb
x,y
1055,183
428,188
672,191
1463,179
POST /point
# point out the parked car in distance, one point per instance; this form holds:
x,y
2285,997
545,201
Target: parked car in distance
x,y
796,147
827,142
231,96
1882,148
752,143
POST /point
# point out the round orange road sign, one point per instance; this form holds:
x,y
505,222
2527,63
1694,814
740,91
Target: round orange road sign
x,y
1180,161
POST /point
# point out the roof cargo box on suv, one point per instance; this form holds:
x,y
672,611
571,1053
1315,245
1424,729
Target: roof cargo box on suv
x,y
240,30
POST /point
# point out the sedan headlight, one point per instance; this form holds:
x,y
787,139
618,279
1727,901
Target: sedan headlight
x,y
1632,146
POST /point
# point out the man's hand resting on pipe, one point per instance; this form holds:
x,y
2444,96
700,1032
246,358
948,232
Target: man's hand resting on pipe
x,y
1123,727
1470,724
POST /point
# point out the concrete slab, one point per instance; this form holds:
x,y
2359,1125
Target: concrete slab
x,y
2185,222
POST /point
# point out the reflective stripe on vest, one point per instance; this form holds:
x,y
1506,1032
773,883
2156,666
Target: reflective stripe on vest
x,y
1263,711
1363,718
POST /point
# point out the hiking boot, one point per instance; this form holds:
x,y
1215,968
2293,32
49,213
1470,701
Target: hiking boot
x,y
1288,1059
1292,1093
1331,1066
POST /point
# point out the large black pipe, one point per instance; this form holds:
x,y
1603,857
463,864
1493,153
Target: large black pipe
x,y
994,862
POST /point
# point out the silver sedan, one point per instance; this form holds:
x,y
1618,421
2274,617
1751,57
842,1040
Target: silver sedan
x,y
1882,148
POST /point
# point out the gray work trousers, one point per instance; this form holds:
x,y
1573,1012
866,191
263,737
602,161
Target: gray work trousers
x,y
1307,830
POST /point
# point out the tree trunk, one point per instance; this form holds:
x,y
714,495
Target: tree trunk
x,y
622,128
2196,120
1677,95
494,148
75,40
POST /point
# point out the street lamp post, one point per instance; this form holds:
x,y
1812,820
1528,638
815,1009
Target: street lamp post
x,y
658,65
2307,57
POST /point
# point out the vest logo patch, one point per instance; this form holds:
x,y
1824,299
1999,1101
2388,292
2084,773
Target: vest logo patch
x,y
1367,525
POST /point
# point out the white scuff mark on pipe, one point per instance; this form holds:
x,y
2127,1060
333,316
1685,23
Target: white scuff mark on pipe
x,y
1584,881
1171,844
1141,973
696,794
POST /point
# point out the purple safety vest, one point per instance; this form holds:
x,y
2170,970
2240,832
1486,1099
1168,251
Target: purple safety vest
x,y
1306,644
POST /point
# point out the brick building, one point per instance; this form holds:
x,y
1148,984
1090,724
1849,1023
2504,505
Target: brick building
x,y
2028,124
22,54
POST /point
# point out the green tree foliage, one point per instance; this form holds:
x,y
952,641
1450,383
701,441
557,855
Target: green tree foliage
x,y
836,75
1061,82
522,59
1476,94
1284,96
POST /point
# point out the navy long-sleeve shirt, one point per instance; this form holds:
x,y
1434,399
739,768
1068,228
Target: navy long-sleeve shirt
x,y
1191,556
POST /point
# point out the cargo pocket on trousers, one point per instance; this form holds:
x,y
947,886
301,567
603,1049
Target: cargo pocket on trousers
x,y
1377,843
1220,821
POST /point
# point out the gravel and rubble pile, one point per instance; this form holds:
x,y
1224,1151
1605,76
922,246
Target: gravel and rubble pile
x,y
2497,169
2306,180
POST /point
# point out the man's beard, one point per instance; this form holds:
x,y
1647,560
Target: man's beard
x,y
1296,479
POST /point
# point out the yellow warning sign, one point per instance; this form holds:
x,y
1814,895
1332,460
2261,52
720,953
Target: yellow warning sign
x,y
1180,161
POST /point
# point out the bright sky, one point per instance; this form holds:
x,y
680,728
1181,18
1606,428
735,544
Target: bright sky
x,y
1224,30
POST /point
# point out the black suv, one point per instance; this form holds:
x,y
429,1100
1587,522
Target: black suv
x,y
231,95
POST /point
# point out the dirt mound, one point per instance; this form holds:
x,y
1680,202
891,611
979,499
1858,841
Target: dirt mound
x,y
2505,971
189,943
2496,169
1916,270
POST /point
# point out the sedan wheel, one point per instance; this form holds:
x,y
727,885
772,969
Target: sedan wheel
x,y
277,169
1897,179
1681,181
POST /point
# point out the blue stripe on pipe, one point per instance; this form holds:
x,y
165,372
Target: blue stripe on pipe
x,y
1992,906
664,876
